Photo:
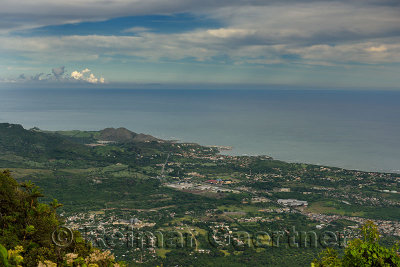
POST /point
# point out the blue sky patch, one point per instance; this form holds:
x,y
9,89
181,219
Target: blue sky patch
x,y
176,23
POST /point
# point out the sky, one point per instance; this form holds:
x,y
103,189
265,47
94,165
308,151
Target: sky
x,y
306,43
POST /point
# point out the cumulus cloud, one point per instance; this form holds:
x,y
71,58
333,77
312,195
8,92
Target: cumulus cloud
x,y
76,75
58,72
87,76
37,77
58,75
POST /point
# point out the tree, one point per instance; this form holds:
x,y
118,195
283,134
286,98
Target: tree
x,y
364,251
26,228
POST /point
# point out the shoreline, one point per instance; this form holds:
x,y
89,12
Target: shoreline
x,y
230,151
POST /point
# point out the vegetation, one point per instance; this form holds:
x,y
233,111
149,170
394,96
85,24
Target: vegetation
x,y
27,228
114,177
364,251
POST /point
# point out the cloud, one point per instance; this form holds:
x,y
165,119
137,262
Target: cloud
x,y
310,23
380,48
26,14
86,76
58,72
231,33
136,30
255,33
199,46
37,77
58,75
76,75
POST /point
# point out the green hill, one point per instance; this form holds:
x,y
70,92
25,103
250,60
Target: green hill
x,y
32,144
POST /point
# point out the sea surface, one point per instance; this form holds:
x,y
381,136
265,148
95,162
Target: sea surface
x,y
349,129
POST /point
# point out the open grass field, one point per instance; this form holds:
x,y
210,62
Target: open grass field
x,y
331,207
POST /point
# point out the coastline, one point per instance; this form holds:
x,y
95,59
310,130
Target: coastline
x,y
352,130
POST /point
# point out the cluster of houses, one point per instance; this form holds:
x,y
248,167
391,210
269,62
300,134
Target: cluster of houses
x,y
384,226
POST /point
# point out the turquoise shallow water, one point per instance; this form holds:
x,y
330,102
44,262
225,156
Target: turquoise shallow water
x,y
350,129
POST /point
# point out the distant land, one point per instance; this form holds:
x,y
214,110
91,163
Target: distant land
x,y
108,134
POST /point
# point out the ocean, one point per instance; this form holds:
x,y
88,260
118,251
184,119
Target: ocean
x,y
350,129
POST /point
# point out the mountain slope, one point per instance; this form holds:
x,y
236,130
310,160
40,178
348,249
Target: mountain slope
x,y
124,135
34,144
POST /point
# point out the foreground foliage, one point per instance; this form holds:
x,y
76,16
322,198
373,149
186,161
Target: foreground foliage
x,y
26,228
364,251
